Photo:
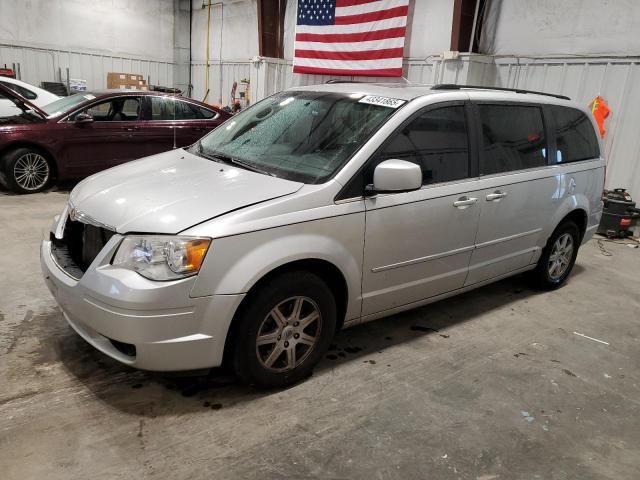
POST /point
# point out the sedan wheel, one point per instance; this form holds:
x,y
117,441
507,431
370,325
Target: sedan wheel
x,y
28,171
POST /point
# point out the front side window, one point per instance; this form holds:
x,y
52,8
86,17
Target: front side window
x,y
575,137
303,136
436,141
121,109
513,138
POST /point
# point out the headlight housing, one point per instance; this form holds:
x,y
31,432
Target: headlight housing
x,y
162,257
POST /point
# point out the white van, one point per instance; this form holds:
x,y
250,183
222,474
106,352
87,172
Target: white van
x,y
319,208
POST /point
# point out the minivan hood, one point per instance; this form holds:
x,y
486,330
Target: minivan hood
x,y
170,192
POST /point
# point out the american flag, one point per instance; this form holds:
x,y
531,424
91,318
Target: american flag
x,y
350,37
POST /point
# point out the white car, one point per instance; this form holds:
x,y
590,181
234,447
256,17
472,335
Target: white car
x,y
38,96
321,207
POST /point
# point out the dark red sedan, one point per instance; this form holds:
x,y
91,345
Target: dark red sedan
x,y
82,134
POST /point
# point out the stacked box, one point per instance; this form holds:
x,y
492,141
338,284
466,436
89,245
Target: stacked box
x,y
126,81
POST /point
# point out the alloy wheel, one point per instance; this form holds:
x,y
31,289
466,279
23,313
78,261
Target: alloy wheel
x,y
561,255
31,171
288,334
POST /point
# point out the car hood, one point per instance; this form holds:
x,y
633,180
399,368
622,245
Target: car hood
x,y
170,192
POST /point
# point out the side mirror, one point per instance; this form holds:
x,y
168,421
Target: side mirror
x,y
83,118
396,176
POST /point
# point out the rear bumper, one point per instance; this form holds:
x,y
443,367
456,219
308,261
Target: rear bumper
x,y
167,329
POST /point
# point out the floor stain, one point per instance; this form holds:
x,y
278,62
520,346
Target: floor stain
x,y
353,349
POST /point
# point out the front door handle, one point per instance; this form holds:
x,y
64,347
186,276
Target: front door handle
x,y
496,196
464,202
131,129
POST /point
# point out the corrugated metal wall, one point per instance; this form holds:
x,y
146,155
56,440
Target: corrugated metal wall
x,y
221,78
37,65
581,78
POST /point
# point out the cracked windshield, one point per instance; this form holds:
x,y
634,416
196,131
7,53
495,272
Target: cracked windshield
x,y
300,136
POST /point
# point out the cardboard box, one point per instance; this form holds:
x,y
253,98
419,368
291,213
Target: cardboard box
x,y
125,80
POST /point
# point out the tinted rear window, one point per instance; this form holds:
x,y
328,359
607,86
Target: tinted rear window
x,y
170,108
575,137
513,138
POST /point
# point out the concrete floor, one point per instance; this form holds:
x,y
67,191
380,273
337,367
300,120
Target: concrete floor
x,y
493,384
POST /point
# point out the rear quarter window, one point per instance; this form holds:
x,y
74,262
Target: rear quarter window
x,y
575,136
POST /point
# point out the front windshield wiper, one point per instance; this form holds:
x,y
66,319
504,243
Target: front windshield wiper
x,y
232,161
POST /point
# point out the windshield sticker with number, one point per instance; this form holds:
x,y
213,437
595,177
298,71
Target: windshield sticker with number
x,y
89,97
382,101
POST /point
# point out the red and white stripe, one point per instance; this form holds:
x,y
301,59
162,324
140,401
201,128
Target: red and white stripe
x,y
367,39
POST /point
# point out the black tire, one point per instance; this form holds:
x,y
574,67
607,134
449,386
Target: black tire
x,y
541,277
15,163
256,315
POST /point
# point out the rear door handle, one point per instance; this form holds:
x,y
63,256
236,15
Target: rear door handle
x,y
464,202
495,196
131,129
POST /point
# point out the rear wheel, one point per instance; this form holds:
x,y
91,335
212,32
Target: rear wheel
x,y
558,257
27,170
284,330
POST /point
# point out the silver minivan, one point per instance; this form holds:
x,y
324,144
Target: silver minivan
x,y
319,208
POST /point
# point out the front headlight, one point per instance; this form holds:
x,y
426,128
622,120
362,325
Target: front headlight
x,y
160,257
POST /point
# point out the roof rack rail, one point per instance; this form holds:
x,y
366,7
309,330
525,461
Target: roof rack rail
x,y
453,86
337,80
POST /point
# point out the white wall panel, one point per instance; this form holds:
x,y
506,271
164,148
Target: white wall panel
x,y
221,78
91,39
38,65
129,28
583,78
567,27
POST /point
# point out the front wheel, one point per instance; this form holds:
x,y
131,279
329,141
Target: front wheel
x,y
558,257
27,170
284,330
